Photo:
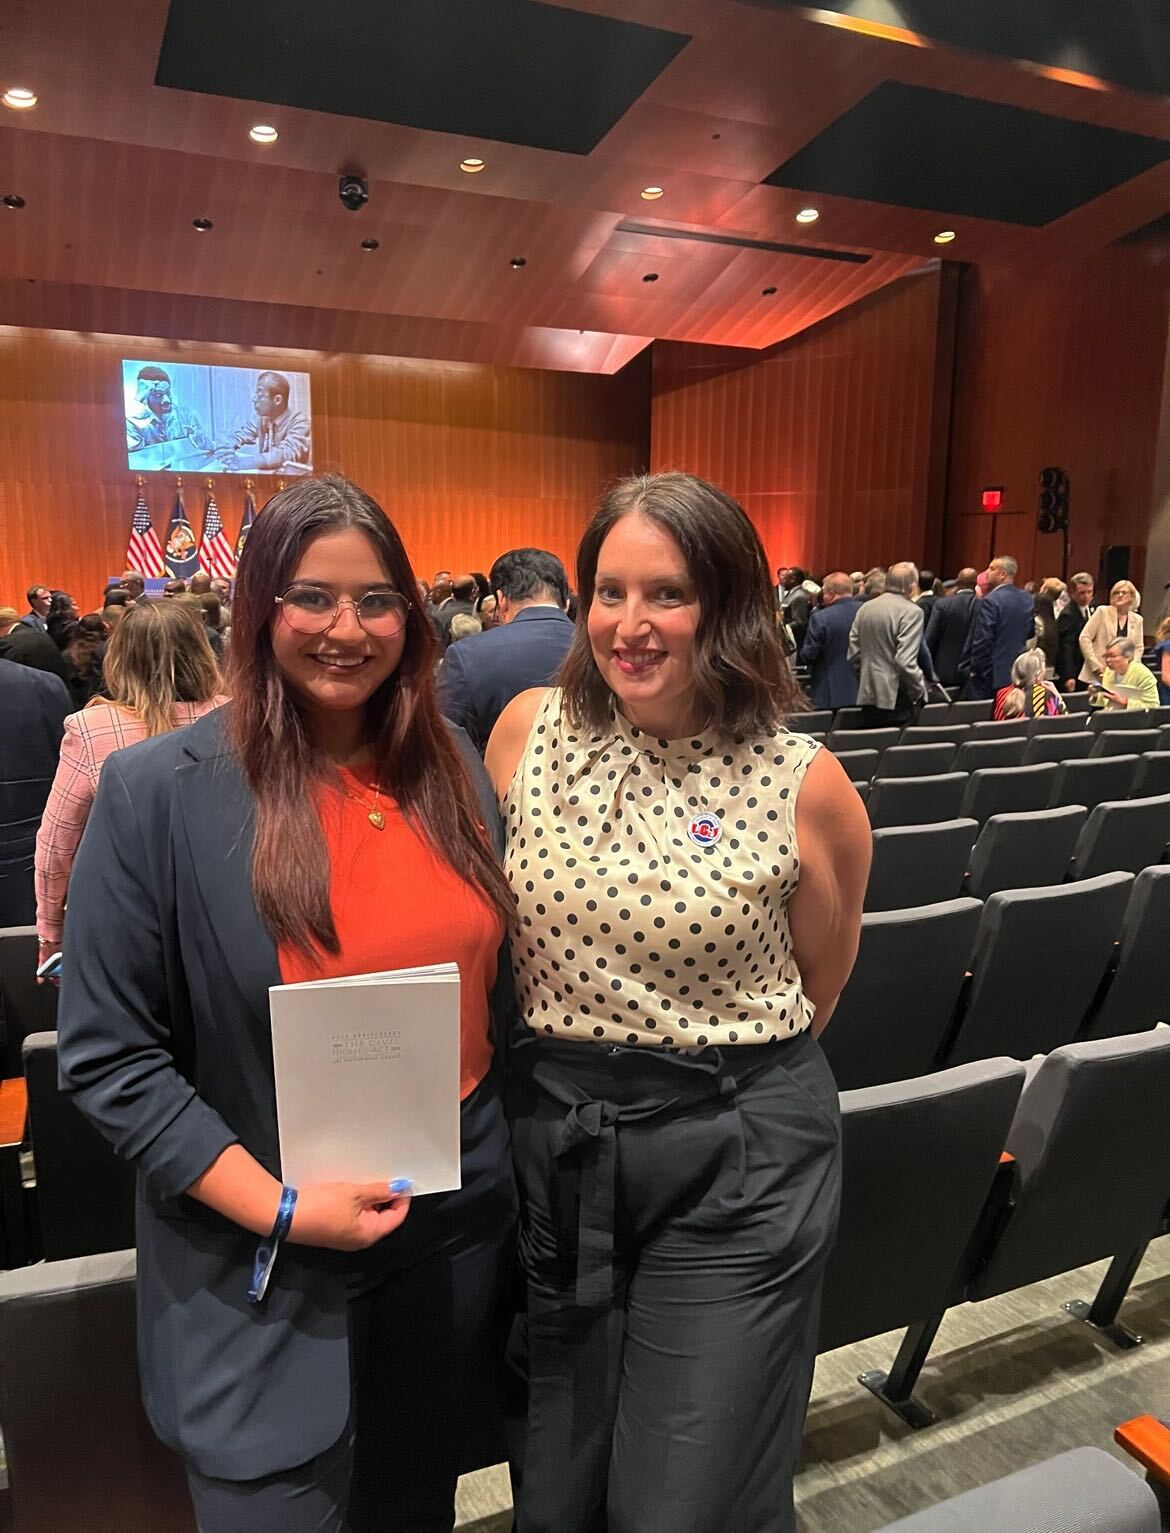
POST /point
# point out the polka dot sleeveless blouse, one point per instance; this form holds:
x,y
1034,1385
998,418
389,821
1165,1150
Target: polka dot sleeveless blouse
x,y
652,880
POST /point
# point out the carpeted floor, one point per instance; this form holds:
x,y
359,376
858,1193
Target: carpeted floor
x,y
1012,1381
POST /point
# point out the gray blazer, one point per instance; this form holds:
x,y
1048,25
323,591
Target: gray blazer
x,y
883,651
165,1046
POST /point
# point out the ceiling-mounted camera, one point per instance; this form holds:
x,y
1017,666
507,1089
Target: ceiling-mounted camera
x,y
354,192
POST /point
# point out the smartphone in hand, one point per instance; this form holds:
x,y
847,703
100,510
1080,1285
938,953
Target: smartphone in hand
x,y
51,968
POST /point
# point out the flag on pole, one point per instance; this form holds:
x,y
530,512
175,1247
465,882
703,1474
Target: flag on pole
x,y
182,554
249,518
215,552
143,552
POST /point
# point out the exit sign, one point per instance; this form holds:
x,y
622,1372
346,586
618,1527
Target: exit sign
x,y
993,498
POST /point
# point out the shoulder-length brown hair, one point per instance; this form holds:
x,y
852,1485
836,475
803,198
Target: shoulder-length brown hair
x,y
415,757
741,672
158,656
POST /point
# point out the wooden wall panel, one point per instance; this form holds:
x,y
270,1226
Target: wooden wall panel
x,y
827,440
469,460
1062,370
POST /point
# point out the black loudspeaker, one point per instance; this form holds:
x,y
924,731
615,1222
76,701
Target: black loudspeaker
x,y
1053,510
1114,566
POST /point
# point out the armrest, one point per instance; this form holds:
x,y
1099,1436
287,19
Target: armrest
x,y
1147,1439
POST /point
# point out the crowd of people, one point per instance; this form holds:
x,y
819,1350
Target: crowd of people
x,y
595,815
886,640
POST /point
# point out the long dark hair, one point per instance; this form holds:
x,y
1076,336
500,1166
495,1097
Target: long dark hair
x,y
414,755
741,672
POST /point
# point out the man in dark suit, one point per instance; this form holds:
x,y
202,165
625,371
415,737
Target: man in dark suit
x,y
1004,621
463,594
483,673
946,630
826,644
33,706
40,599
30,647
794,602
1069,659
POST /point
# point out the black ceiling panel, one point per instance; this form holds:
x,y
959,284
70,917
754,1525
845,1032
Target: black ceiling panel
x,y
1126,41
513,71
920,148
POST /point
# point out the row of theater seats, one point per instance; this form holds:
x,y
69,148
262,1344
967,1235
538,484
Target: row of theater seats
x,y
921,864
1020,974
980,712
958,1186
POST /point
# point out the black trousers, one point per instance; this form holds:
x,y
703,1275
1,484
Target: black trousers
x,y
904,712
427,1327
676,1214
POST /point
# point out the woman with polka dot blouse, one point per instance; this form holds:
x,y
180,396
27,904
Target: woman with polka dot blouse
x,y
689,875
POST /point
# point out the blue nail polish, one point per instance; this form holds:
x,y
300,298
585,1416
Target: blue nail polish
x,y
400,1185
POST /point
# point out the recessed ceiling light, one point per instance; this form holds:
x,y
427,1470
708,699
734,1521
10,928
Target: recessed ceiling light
x,y
651,276
263,133
807,216
13,201
202,224
517,262
19,99
369,244
768,292
472,165
652,193
944,237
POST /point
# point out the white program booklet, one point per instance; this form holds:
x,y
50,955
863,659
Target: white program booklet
x,y
367,1078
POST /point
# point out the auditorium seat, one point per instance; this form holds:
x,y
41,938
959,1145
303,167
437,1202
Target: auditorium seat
x,y
934,734
1087,1181
970,711
1122,742
1024,851
919,864
1164,737
68,1154
81,1454
998,729
1152,775
1118,718
915,800
973,754
1137,993
862,739
1093,781
1039,958
1055,724
934,713
1078,702
25,1006
846,718
916,760
1159,717
1082,1491
1125,835
1007,790
859,766
893,1015
919,1159
819,721
1074,746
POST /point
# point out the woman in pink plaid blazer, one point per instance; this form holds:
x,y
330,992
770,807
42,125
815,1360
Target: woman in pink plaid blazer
x,y
160,674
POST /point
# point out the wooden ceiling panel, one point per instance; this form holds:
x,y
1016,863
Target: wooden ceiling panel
x,y
114,168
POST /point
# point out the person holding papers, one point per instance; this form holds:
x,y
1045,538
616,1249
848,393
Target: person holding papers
x,y
689,875
1125,683
312,1351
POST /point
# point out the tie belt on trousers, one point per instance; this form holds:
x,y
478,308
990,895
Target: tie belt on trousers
x,y
604,1085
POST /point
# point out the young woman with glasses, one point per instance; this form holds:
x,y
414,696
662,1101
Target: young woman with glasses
x,y
326,822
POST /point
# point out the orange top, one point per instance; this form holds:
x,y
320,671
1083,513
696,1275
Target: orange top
x,y
396,905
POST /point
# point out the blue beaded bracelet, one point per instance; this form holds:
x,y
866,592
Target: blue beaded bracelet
x,y
284,1214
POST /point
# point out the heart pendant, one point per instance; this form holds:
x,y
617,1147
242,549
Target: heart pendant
x,y
377,819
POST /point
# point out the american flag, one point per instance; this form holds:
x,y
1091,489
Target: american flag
x,y
144,552
215,552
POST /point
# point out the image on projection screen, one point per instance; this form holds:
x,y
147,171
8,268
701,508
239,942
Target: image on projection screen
x,y
226,420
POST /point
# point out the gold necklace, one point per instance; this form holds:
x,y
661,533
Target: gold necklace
x,y
375,816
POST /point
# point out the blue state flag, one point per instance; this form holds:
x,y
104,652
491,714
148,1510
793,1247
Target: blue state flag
x,y
246,525
182,550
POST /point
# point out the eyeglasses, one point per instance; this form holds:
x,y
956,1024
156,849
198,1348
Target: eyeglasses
x,y
309,609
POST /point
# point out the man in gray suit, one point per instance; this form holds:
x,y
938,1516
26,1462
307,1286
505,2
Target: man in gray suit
x,y
883,650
